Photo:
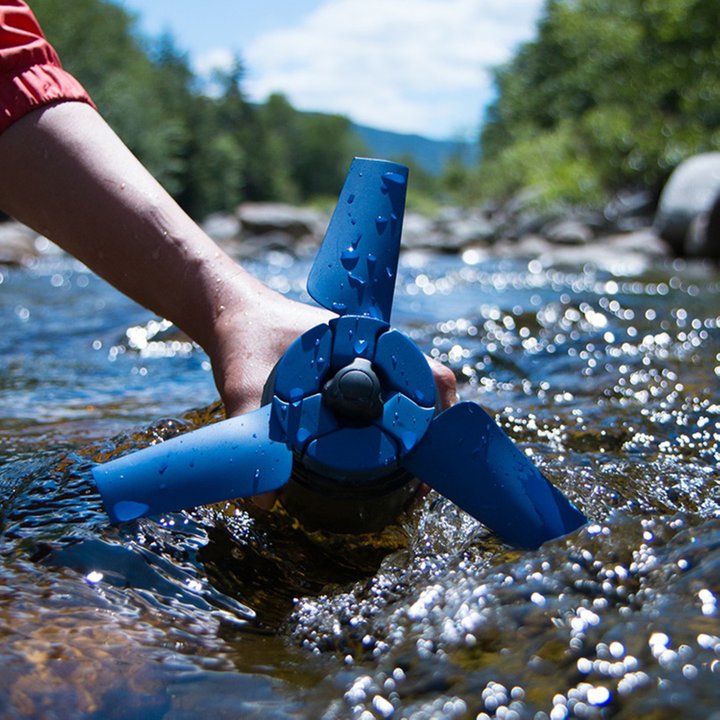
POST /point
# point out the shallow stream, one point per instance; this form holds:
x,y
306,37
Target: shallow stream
x,y
607,374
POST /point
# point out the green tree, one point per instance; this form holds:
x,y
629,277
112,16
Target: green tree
x,y
611,94
133,93
321,154
211,150
217,151
278,133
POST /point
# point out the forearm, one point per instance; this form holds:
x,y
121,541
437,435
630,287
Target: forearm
x,y
66,174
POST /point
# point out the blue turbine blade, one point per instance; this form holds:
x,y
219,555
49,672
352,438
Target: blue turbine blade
x,y
468,458
355,268
232,458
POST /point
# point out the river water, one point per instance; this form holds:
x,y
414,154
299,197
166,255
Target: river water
x,y
607,374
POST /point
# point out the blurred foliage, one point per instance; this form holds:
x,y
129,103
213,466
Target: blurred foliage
x,y
611,94
210,150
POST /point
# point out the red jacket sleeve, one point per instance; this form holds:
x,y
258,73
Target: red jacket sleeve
x,y
30,71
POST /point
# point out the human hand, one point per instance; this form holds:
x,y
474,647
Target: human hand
x,y
255,327
251,336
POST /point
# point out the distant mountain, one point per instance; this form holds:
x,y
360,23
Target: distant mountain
x,y
431,155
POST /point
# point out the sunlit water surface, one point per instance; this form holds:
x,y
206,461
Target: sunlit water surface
x,y
607,375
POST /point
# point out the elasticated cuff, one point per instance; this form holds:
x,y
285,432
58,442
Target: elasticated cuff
x,y
28,89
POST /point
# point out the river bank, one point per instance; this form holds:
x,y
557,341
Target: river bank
x,y
511,231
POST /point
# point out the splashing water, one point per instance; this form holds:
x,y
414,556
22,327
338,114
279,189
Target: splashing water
x,y
608,379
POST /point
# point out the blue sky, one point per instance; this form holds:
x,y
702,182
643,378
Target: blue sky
x,y
416,66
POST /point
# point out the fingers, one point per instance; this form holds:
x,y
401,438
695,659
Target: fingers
x,y
445,383
265,500
251,340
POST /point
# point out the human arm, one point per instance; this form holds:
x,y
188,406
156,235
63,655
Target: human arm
x,y
68,175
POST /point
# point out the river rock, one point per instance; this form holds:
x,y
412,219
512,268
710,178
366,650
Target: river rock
x,y
630,210
523,215
17,244
712,234
271,218
693,189
222,227
258,246
568,232
628,252
419,231
464,227
702,239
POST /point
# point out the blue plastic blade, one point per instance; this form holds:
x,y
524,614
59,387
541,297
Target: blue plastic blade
x,y
355,268
302,368
468,458
230,459
405,367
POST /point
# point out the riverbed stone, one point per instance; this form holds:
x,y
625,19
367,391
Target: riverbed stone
x,y
465,227
692,190
629,250
418,230
568,232
222,227
17,244
712,232
269,218
630,210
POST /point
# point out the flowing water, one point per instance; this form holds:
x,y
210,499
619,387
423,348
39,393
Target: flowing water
x,y
608,375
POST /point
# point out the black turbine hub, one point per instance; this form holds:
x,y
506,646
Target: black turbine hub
x,y
354,393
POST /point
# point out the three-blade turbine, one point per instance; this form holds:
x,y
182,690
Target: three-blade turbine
x,y
351,403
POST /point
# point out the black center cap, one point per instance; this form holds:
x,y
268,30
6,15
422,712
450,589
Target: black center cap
x,y
354,393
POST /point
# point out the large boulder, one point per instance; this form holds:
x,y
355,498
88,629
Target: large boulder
x,y
686,202
712,232
703,235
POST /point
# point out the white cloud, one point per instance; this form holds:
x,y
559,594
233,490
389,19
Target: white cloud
x,y
407,65
215,59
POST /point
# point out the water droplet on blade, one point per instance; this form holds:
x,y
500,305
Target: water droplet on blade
x,y
129,510
356,281
393,179
349,258
408,439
